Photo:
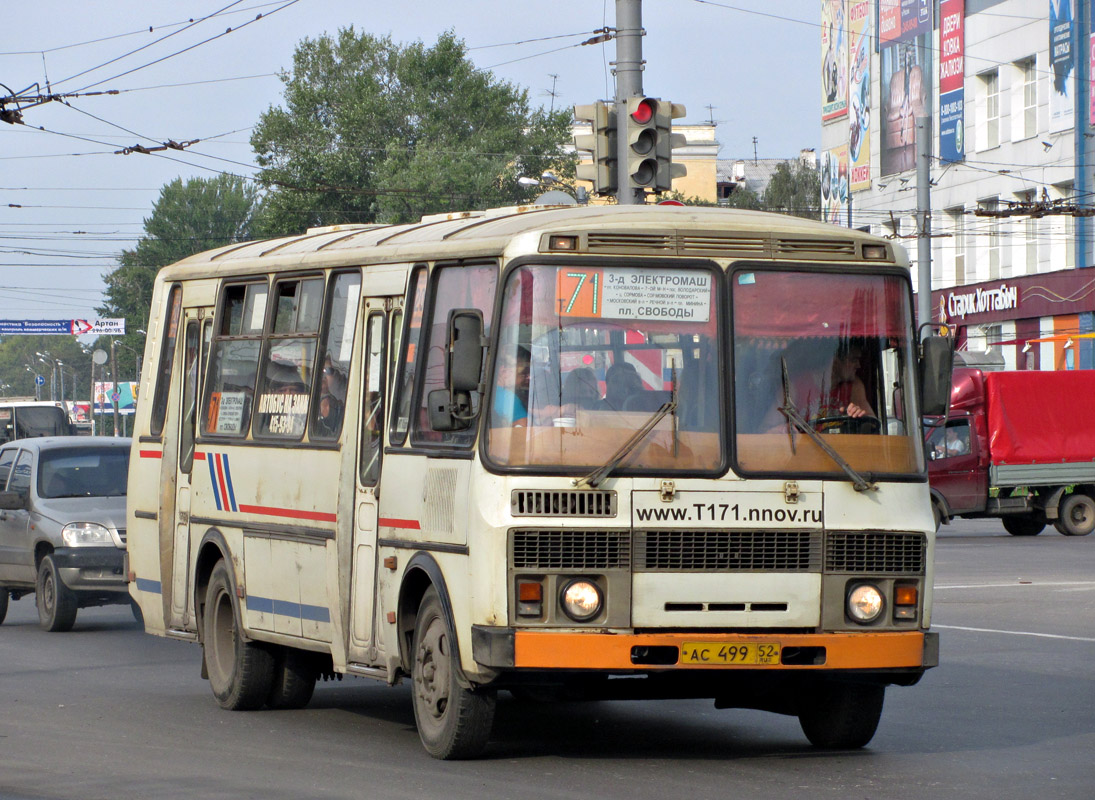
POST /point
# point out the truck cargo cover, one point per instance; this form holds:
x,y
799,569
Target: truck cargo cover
x,y
1037,417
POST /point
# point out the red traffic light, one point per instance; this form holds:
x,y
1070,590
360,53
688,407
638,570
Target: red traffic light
x,y
644,111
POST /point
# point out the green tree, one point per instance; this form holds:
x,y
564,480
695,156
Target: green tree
x,y
187,218
375,131
795,189
63,360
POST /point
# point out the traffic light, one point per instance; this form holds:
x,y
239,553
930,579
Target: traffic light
x,y
642,138
667,140
602,170
650,143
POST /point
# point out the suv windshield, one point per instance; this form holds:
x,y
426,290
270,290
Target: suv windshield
x,y
588,356
83,472
833,349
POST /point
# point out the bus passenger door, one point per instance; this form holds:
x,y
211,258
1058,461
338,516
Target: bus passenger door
x,y
362,645
180,609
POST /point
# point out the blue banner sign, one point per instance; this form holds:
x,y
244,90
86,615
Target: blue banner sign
x,y
62,327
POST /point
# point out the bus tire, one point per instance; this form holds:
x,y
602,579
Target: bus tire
x,y
840,716
1021,525
241,673
1077,515
3,604
294,680
56,603
453,722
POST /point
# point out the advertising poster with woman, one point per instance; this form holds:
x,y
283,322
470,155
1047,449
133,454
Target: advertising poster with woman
x,y
906,79
834,60
834,185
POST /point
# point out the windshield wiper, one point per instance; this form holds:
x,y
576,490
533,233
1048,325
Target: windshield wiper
x,y
593,479
788,410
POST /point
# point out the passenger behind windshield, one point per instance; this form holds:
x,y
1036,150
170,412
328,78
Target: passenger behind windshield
x,y
511,391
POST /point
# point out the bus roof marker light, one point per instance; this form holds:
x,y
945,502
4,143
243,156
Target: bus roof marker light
x,y
566,243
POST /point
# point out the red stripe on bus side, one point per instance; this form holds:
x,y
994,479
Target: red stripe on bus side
x,y
199,456
391,522
292,513
151,454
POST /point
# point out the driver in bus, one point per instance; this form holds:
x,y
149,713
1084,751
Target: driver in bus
x,y
511,389
821,389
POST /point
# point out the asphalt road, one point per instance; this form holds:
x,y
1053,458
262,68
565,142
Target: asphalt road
x,y
106,711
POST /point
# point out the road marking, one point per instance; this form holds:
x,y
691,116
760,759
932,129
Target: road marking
x,y
1016,633
1016,583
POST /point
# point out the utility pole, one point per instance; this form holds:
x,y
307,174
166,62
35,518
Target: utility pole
x,y
923,221
629,83
114,396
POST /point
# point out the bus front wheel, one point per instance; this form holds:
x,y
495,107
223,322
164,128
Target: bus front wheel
x,y
241,673
453,722
840,716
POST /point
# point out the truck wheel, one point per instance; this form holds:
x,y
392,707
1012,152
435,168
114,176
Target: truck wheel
x,y
1077,515
3,604
240,672
453,722
294,680
840,716
1023,526
56,603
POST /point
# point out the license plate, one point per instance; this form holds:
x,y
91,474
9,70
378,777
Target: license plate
x,y
738,653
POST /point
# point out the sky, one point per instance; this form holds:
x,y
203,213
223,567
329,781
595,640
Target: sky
x,y
70,202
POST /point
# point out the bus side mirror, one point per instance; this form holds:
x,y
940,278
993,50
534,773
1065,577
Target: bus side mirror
x,y
451,408
936,362
465,349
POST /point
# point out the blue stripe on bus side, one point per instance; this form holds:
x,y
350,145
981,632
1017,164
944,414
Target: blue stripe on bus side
x,y
209,459
283,608
230,501
145,585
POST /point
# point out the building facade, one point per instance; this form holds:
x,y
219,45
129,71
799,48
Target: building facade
x,y
1004,87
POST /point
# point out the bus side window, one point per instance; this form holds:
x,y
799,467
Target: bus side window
x,y
372,401
230,387
190,398
454,287
338,342
401,405
289,367
167,358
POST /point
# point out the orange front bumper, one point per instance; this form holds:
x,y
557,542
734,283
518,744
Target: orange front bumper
x,y
609,651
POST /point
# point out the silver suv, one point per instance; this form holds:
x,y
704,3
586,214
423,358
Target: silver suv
x,y
62,524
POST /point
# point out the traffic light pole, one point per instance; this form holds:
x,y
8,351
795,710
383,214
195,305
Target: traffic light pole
x,y
629,83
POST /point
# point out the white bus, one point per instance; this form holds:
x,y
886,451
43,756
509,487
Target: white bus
x,y
563,452
26,419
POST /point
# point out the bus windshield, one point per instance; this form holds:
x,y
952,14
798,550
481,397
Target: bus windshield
x,y
588,356
26,422
832,350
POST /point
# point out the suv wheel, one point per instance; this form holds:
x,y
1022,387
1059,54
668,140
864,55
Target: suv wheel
x,y
56,603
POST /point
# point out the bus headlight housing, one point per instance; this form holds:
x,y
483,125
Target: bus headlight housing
x,y
581,599
83,534
865,603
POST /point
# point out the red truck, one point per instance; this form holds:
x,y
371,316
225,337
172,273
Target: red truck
x,y
1019,446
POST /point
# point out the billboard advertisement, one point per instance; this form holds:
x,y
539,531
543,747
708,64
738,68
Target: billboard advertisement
x,y
859,95
834,60
104,397
906,79
834,185
1062,91
952,83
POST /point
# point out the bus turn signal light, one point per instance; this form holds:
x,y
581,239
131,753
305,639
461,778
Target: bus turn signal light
x,y
530,598
904,602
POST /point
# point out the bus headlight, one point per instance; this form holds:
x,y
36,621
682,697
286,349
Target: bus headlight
x,y
581,600
80,534
865,603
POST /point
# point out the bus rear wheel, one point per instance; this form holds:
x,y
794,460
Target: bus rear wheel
x,y
294,679
840,716
3,603
453,722
241,673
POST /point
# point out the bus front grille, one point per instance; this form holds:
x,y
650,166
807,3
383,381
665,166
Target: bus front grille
x,y
728,551
879,553
570,550
562,503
